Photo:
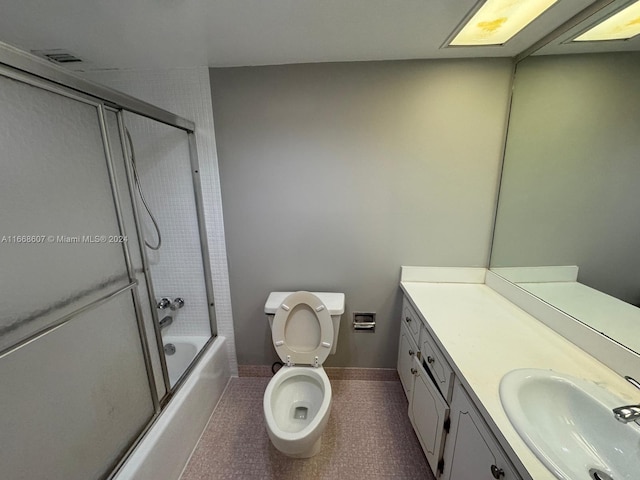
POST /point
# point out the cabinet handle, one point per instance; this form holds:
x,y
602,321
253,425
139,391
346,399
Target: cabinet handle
x,y
411,353
414,371
430,359
407,319
497,472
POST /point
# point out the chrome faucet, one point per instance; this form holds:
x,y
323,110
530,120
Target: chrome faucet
x,y
164,303
627,413
165,322
177,303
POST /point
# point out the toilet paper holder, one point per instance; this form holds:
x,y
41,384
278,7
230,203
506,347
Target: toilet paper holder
x,y
364,321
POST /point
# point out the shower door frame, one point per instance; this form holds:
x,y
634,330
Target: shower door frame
x,y
197,189
40,73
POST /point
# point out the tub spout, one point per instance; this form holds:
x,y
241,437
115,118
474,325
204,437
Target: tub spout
x,y
165,322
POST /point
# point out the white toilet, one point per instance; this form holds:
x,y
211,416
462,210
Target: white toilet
x,y
297,401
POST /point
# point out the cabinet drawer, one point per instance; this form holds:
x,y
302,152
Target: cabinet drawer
x,y
407,350
428,413
436,363
411,320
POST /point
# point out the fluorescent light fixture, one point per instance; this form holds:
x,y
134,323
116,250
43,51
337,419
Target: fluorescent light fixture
x,y
499,20
621,26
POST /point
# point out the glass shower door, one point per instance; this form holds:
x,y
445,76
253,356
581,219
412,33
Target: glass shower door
x,y
74,368
166,193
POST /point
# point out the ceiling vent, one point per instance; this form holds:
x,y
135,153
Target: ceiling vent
x,y
62,57
65,59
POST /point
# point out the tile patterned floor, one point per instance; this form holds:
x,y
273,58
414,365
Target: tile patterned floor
x,y
368,436
334,373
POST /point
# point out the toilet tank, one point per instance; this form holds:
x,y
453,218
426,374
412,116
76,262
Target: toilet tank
x,y
333,301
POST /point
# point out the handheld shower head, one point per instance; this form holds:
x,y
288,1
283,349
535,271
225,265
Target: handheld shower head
x,y
144,202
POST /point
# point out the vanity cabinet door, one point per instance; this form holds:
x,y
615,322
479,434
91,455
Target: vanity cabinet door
x,y
428,412
407,350
472,453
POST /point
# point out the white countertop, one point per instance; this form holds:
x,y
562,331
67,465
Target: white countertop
x,y
484,336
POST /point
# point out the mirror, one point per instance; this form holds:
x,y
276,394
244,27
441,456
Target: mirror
x,y
568,218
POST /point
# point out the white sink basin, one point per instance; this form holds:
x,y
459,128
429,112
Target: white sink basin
x,y
569,424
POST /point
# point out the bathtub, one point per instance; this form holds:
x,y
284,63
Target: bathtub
x,y
168,444
187,347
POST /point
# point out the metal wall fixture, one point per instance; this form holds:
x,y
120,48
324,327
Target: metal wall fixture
x,y
165,322
165,303
177,304
364,321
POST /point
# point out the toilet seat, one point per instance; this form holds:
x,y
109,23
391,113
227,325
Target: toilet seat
x,y
294,343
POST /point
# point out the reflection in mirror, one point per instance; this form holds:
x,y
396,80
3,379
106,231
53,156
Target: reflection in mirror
x,y
564,41
569,193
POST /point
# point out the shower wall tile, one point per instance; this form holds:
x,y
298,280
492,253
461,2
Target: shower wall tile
x,y
162,160
186,92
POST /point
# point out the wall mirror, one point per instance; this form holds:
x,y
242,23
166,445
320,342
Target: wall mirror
x,y
568,218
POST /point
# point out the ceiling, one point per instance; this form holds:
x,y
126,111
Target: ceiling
x,y
563,45
187,33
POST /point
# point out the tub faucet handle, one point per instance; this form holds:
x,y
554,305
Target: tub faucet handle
x,y
177,303
164,303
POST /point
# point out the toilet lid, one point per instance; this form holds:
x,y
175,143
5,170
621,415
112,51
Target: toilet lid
x,y
302,330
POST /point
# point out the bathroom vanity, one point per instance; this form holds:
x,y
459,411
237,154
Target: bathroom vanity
x,y
458,339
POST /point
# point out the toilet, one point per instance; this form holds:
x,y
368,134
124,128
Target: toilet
x,y
297,401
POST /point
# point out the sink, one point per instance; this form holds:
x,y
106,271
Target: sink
x,y
569,425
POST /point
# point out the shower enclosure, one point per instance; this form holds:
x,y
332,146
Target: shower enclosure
x,y
94,307
166,194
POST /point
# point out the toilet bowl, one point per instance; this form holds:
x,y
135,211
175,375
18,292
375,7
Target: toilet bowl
x,y
297,400
297,403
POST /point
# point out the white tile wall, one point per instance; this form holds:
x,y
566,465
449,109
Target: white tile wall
x,y
186,92
162,159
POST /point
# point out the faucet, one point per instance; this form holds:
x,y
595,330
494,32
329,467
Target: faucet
x,y
627,413
165,322
177,303
164,303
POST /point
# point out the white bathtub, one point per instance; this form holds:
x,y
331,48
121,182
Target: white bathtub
x,y
187,347
167,446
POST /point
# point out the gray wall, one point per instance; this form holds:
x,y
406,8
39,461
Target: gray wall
x,y
571,174
335,175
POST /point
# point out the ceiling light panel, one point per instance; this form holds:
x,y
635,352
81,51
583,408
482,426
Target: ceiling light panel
x,y
499,20
621,26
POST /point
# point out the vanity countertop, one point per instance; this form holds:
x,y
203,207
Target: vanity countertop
x,y
484,336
